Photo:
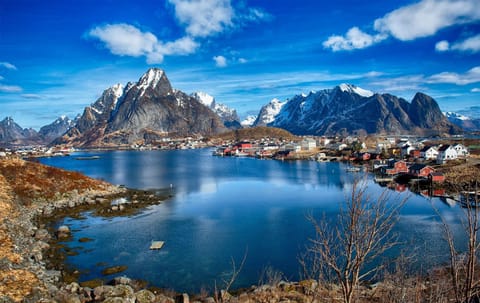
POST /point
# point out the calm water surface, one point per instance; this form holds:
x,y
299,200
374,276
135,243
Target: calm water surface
x,y
224,208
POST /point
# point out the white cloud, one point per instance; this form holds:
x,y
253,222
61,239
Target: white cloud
x,y
471,76
421,19
10,88
204,18
127,40
442,46
220,61
8,65
471,44
354,39
242,60
475,90
427,17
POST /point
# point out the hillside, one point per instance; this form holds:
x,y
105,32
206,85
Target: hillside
x,y
256,133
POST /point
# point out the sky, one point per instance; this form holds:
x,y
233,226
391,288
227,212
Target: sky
x,y
58,56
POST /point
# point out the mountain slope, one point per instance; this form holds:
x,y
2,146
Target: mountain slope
x,y
228,115
56,129
347,109
142,112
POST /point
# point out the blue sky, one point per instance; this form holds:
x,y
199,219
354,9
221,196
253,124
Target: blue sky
x,y
57,56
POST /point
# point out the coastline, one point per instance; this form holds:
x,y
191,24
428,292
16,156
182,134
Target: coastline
x,y
28,267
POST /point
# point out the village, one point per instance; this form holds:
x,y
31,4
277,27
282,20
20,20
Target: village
x,y
397,162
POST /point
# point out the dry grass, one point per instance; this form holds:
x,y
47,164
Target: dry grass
x,y
22,183
31,181
17,283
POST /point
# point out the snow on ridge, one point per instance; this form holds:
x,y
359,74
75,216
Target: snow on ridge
x,y
350,88
248,121
152,76
455,115
204,98
271,110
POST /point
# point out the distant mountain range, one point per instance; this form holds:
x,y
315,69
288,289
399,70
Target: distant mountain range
x,y
150,109
347,109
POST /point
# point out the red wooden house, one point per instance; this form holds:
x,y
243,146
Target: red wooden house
x,y
436,177
395,168
420,170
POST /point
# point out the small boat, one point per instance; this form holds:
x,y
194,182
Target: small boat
x,y
353,169
88,158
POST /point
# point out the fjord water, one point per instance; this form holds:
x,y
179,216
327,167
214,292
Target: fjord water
x,y
223,209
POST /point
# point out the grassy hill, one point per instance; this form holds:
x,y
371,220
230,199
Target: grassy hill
x,y
256,133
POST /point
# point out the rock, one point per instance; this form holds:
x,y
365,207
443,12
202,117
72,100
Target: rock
x,y
42,234
145,296
71,204
73,287
114,270
101,292
225,296
243,298
123,291
117,300
63,229
183,298
122,280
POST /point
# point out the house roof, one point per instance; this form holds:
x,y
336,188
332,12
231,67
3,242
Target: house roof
x,y
444,147
418,166
426,148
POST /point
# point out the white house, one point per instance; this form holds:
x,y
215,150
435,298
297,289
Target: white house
x,y
429,153
308,144
462,151
446,153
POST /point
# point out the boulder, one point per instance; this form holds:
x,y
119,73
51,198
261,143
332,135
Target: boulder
x,y
63,231
145,296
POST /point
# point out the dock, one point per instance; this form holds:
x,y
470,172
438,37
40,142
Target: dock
x,y
383,179
157,244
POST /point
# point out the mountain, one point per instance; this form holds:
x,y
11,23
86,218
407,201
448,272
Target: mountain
x,y
348,109
268,112
11,134
248,121
56,129
228,115
141,112
462,121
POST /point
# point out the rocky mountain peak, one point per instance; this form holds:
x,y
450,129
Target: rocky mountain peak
x,y
156,79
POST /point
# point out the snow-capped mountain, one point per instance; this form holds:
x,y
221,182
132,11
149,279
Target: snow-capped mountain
x,y
248,121
56,129
347,109
269,112
140,112
227,115
463,121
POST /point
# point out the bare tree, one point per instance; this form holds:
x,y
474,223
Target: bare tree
x,y
462,270
345,251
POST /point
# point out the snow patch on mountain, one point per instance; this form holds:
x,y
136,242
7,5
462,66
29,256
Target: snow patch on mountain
x,y
350,88
454,115
269,112
223,111
248,121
